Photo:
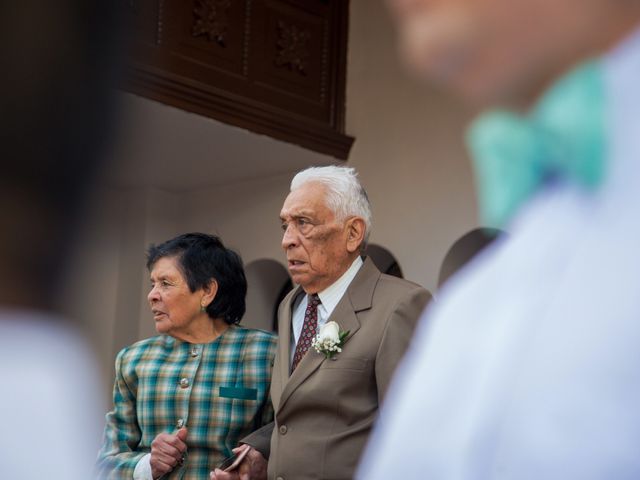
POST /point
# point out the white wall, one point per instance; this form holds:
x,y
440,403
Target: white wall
x,y
408,150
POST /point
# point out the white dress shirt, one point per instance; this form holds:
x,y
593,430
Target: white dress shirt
x,y
528,366
51,399
329,297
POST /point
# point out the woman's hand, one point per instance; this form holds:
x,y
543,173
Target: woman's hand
x,y
167,451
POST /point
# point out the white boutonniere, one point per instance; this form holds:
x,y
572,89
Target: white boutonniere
x,y
330,339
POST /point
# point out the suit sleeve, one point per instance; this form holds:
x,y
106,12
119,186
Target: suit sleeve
x,y
118,456
261,439
397,336
267,411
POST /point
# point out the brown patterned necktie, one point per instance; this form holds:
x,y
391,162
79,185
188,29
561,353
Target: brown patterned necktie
x,y
309,328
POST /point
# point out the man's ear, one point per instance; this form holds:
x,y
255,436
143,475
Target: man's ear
x,y
209,293
355,234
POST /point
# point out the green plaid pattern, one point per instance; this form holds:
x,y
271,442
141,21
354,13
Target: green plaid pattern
x,y
220,390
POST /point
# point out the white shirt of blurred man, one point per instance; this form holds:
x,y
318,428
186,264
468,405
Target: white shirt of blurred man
x,y
528,367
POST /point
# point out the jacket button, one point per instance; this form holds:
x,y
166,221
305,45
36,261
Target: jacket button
x,y
283,429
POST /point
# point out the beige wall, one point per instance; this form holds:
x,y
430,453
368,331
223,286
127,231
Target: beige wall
x,y
408,151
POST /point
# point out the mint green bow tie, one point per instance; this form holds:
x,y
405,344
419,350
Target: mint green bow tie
x,y
562,137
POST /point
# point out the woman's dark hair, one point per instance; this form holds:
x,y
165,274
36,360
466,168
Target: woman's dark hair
x,y
203,258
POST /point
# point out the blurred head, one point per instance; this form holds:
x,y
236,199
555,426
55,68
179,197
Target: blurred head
x,y
194,275
56,102
326,221
506,51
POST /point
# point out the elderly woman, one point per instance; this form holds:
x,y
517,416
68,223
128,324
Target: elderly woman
x,y
182,399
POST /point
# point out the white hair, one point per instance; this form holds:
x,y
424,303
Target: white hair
x,y
345,195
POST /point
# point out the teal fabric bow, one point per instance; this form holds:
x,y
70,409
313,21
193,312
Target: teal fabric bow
x,y
562,136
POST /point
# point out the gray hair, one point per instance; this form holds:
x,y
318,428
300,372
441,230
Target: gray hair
x,y
345,195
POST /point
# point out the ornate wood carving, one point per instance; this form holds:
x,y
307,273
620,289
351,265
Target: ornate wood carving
x,y
276,67
211,20
292,47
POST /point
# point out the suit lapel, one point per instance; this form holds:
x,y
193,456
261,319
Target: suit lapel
x,y
281,367
358,297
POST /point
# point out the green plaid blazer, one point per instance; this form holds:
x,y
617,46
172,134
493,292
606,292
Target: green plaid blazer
x,y
218,390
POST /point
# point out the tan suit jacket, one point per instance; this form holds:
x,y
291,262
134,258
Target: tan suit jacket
x,y
324,411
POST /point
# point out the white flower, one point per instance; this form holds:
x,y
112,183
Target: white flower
x,y
330,339
329,332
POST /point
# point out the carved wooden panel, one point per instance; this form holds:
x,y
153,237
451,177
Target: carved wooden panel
x,y
272,66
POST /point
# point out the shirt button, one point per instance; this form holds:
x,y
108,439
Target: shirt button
x,y
180,423
283,429
184,382
194,351
280,478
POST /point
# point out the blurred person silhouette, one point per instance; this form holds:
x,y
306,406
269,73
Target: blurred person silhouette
x,y
182,399
58,61
528,367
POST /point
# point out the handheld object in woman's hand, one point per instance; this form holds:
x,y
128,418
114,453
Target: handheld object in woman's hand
x,y
231,463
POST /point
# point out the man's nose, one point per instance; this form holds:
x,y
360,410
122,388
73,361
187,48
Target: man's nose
x,y
289,238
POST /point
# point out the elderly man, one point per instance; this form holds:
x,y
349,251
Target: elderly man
x,y
529,366
326,397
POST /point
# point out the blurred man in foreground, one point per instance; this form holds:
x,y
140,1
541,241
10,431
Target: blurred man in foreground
x,y
58,63
528,367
